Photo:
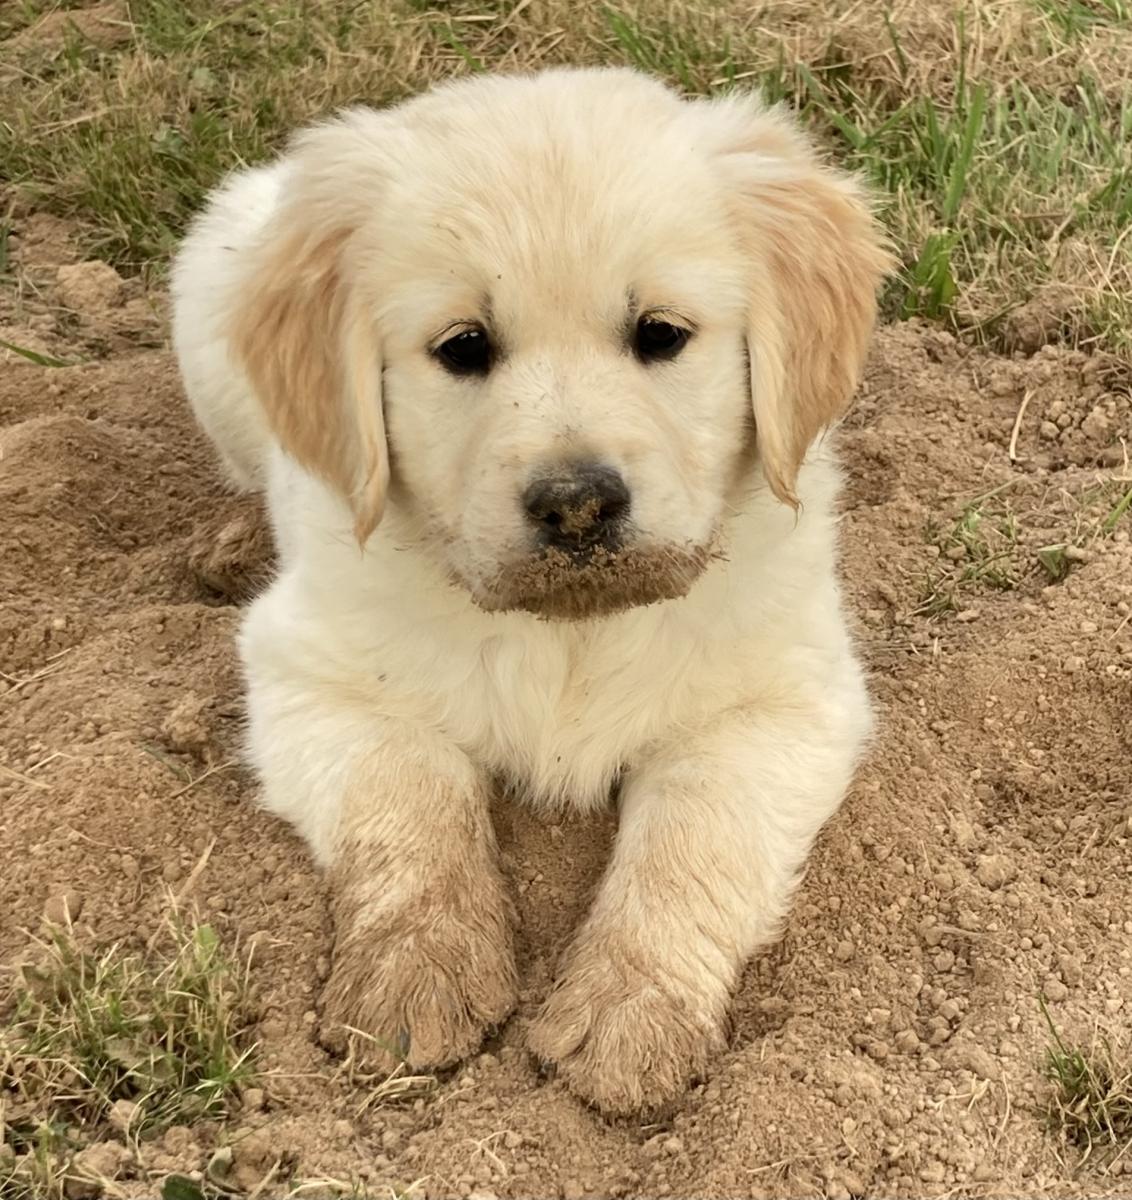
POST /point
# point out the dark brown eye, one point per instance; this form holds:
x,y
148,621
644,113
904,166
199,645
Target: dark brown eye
x,y
658,340
467,353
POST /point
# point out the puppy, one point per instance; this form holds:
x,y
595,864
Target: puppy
x,y
533,372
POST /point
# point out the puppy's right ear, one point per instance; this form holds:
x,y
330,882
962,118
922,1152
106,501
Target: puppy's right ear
x,y
303,335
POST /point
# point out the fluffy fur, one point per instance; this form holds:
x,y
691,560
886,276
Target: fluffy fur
x,y
393,669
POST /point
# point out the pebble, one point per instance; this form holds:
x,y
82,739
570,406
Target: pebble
x,y
844,951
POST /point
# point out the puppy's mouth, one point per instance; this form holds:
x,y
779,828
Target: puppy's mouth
x,y
595,582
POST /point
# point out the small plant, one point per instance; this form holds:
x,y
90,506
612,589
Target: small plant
x,y
1092,1091
84,1031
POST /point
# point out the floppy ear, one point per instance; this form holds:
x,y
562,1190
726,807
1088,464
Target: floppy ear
x,y
816,257
304,335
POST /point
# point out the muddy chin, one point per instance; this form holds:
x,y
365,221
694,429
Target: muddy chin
x,y
562,587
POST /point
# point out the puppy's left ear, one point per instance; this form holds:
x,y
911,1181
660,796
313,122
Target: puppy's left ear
x,y
816,257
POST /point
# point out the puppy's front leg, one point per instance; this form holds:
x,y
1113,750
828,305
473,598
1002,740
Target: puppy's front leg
x,y
714,833
423,958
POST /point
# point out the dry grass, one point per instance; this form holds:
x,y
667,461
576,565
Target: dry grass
x,y
1092,1092
999,139
138,1042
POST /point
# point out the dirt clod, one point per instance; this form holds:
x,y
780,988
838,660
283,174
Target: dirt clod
x,y
89,288
93,1167
995,870
184,728
63,908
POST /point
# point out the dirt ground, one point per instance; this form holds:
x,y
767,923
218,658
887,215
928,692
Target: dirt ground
x,y
892,1044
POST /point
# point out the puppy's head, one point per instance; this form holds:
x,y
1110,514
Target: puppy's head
x,y
564,308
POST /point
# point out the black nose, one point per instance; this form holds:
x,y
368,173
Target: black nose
x,y
577,506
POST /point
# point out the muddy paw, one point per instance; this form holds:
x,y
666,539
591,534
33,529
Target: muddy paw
x,y
624,1037
421,988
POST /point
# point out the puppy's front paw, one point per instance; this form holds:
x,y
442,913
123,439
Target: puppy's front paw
x,y
622,1033
423,984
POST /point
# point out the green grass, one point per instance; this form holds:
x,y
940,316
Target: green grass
x,y
1000,143
82,1031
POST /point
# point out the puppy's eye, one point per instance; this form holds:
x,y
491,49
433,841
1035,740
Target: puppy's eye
x,y
656,340
466,353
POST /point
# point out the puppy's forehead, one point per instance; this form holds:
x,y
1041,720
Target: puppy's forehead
x,y
579,193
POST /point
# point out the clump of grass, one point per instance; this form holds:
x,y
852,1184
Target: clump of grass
x,y
82,1031
1092,1091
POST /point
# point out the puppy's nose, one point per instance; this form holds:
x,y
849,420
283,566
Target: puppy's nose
x,y
578,505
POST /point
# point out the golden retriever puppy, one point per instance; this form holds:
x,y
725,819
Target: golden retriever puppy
x,y
533,372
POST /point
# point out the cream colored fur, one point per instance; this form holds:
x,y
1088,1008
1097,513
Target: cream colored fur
x,y
384,699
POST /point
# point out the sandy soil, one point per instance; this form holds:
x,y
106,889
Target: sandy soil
x,y
891,1044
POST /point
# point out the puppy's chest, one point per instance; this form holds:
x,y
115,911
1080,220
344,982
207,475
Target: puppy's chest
x,y
562,720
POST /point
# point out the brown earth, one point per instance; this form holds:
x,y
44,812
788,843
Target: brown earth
x,y
890,1045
